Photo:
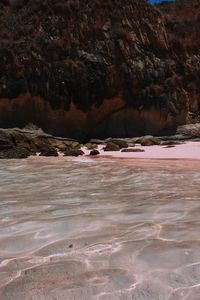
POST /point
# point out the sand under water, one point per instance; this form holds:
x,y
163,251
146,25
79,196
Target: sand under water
x,y
101,228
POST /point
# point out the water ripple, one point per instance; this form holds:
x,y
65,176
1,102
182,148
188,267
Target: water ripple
x,y
98,229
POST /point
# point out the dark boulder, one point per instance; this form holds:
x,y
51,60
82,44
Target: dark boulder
x,y
112,147
94,152
47,150
73,152
63,144
34,141
149,140
91,146
119,142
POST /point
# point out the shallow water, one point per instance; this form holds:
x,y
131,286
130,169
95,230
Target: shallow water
x,y
102,229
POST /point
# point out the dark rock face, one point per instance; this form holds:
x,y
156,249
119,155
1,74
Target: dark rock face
x,y
86,68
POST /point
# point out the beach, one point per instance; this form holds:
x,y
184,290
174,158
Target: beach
x,y
188,150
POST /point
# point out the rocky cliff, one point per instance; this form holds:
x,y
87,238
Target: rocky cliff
x,y
182,22
93,67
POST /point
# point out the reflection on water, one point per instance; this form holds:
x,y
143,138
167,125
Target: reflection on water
x,y
103,229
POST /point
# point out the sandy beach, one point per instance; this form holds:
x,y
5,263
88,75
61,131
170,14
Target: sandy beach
x,y
187,150
185,156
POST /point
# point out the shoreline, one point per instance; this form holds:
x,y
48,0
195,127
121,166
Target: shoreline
x,y
149,159
188,150
22,143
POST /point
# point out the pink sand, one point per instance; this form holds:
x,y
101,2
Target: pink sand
x,y
188,150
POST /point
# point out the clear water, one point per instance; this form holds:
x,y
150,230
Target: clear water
x,y
104,229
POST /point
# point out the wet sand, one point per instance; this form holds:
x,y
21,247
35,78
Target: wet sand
x,y
185,151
